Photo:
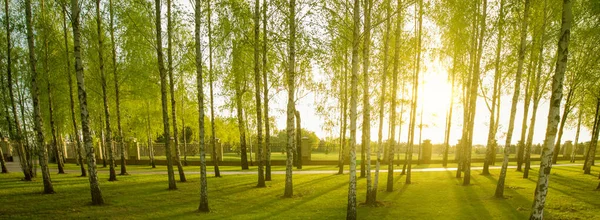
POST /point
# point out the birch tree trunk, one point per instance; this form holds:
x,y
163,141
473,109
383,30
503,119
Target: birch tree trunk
x,y
591,152
298,151
108,132
291,68
257,79
119,138
541,190
395,73
577,136
413,109
71,99
266,94
351,209
490,153
27,170
513,109
386,36
366,127
172,90
213,138
203,207
565,115
97,198
164,99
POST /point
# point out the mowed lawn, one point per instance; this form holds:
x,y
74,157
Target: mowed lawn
x,y
433,195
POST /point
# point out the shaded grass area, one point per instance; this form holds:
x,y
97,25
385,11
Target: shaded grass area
x,y
433,195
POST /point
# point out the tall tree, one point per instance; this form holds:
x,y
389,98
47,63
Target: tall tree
x,y
266,94
513,109
71,99
541,190
415,94
395,73
38,122
291,74
108,130
172,90
386,36
97,198
351,209
119,138
27,170
366,126
213,138
54,142
490,152
163,91
203,207
257,79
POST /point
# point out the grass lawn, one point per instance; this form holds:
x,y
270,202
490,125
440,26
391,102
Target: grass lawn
x,y
433,195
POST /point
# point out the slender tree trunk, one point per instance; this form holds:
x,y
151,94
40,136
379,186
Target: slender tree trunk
x,y
490,152
27,170
344,116
164,99
172,90
298,151
565,115
38,122
203,207
54,142
257,79
108,132
513,109
71,99
395,73
577,136
351,208
530,75
85,126
185,163
541,190
413,109
536,98
366,127
148,128
213,138
449,113
266,94
291,74
384,72
119,138
241,123
590,157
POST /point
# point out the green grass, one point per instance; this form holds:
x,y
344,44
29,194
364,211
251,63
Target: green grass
x,y
433,195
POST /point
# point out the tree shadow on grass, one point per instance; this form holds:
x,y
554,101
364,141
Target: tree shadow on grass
x,y
512,206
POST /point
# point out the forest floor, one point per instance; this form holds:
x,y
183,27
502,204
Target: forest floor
x,y
432,195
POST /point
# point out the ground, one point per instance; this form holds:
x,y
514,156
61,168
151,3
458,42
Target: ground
x,y
436,194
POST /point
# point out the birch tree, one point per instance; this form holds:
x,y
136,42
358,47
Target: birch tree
x,y
203,207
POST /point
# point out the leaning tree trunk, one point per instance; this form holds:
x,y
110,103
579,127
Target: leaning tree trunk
x,y
565,115
521,143
449,113
266,95
119,139
172,90
577,136
203,207
108,132
513,109
591,153
291,74
213,138
164,99
541,190
83,108
259,146
71,99
395,73
35,94
366,126
27,170
490,153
